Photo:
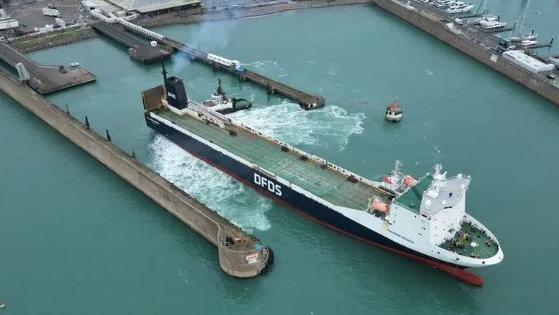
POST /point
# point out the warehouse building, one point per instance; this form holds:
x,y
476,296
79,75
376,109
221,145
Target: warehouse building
x,y
156,6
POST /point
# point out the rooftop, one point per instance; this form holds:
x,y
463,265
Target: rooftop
x,y
144,6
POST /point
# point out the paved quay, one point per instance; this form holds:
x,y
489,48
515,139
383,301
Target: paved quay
x,y
433,23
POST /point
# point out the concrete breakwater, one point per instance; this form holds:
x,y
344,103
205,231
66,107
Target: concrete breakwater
x,y
240,254
33,42
434,25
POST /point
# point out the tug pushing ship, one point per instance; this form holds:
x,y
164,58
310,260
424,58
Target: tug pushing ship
x,y
421,218
221,103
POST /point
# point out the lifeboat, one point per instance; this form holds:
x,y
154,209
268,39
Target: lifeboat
x,y
409,181
378,205
394,112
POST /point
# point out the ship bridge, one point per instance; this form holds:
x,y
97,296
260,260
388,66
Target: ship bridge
x,y
445,194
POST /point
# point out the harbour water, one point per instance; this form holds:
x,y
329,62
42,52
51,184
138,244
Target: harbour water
x,y
75,238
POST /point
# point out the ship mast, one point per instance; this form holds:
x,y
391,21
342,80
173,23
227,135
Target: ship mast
x,y
482,7
523,17
164,72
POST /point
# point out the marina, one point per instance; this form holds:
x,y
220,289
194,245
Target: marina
x,y
432,18
119,243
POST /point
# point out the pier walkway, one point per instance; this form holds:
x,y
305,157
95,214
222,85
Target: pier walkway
x,y
305,100
138,40
240,254
138,49
44,79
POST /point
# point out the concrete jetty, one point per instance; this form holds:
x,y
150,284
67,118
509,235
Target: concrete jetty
x,y
305,100
44,79
240,254
436,25
138,49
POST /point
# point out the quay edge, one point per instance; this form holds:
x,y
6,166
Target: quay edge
x,y
34,42
433,25
240,254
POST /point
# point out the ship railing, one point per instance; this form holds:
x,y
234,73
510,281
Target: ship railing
x,y
315,158
214,117
266,172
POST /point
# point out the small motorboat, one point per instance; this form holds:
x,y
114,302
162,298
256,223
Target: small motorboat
x,y
394,112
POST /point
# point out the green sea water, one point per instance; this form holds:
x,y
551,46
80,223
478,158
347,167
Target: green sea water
x,y
76,239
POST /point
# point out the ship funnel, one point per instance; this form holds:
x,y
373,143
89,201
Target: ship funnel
x,y
175,93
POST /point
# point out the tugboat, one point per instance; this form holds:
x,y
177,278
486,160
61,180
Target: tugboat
x,y
219,102
394,112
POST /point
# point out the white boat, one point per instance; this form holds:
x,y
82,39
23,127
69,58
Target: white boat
x,y
457,4
461,9
487,18
528,42
394,112
490,25
221,103
444,4
528,36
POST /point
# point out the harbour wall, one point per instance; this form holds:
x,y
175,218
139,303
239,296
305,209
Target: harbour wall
x,y
33,42
433,25
201,219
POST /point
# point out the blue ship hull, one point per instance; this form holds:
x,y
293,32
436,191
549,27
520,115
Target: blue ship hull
x,y
269,187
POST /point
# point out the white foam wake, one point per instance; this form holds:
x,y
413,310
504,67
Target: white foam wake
x,y
207,184
268,67
331,126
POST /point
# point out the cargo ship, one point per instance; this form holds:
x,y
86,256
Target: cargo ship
x,y
424,219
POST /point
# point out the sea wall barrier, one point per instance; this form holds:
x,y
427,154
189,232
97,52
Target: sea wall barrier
x,y
240,254
432,24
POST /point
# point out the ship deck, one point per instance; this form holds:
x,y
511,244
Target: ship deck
x,y
306,174
461,244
